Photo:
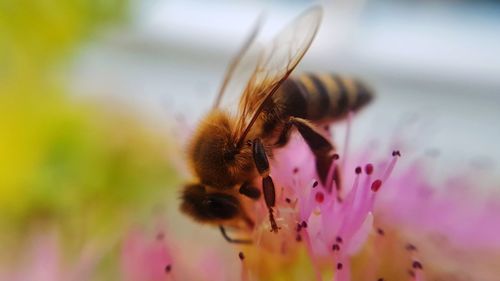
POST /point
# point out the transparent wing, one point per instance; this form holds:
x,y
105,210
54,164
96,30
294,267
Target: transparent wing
x,y
274,65
237,60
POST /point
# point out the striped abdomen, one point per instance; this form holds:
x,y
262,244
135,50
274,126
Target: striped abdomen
x,y
321,97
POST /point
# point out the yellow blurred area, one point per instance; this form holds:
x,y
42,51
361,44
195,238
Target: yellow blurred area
x,y
86,166
36,34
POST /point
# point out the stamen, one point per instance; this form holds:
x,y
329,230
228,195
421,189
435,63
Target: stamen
x,y
347,139
304,224
395,155
241,255
331,173
335,247
339,266
339,239
288,200
168,268
295,170
315,183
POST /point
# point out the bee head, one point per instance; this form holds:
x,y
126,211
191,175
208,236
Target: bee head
x,y
208,207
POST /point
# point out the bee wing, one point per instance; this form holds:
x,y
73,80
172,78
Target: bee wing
x,y
274,65
237,60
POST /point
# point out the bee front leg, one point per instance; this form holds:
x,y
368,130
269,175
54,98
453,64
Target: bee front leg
x,y
262,165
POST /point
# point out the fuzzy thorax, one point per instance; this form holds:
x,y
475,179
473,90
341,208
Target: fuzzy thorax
x,y
213,155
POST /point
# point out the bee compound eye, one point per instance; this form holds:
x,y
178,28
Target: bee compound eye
x,y
222,206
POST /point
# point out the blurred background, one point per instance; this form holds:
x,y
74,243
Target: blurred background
x,y
96,98
432,60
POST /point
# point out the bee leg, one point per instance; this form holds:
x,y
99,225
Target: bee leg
x,y
249,191
262,164
321,147
284,135
231,240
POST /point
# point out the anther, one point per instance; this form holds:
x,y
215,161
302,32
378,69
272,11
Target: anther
x,y
304,224
369,169
319,197
295,170
357,170
315,183
339,239
339,266
380,231
335,156
376,185
417,265
380,279
396,153
335,247
298,238
160,236
299,227
410,247
168,268
241,255
288,200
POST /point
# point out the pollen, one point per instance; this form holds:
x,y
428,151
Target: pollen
x,y
319,197
376,185
357,170
369,169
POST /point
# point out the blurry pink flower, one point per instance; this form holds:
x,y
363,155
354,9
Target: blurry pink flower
x,y
158,256
333,222
381,213
146,259
42,261
388,221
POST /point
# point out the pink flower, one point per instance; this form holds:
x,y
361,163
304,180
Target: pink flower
x,y
42,261
146,259
389,216
160,256
389,220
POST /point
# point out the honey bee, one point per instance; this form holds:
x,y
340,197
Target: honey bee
x,y
229,154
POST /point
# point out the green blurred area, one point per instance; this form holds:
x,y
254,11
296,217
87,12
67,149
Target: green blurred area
x,y
35,34
87,168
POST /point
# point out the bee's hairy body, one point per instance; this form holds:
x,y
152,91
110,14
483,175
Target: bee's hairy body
x,y
213,156
320,98
221,167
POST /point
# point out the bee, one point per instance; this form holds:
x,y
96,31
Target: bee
x,y
229,153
